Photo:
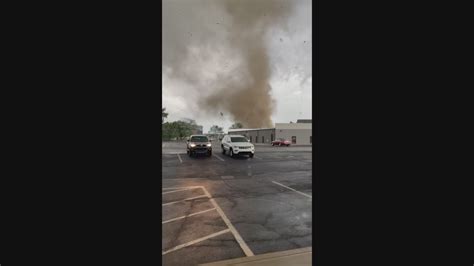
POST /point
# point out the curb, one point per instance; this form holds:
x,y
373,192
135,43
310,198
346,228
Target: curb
x,y
301,256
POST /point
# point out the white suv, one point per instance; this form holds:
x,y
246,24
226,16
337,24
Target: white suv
x,y
237,144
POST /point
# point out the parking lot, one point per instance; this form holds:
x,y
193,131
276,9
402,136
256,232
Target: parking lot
x,y
216,208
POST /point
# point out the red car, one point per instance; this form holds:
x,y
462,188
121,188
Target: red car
x,y
281,142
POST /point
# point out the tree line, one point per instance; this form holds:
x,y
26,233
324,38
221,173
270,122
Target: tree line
x,y
176,130
179,130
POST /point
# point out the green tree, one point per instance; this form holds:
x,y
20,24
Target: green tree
x,y
237,125
176,130
183,129
169,131
163,115
215,129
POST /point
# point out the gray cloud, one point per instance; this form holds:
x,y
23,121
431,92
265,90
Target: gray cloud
x,y
228,54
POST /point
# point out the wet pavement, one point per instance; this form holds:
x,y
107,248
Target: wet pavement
x,y
217,208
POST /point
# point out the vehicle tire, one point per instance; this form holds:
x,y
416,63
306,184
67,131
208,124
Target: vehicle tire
x,y
223,150
273,144
251,155
231,153
189,154
279,145
288,145
209,154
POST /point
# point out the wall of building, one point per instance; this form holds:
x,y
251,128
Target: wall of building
x,y
302,135
302,132
255,135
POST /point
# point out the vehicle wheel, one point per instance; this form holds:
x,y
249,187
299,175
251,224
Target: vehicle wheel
x,y
209,154
189,154
223,150
251,155
273,144
231,153
288,145
279,145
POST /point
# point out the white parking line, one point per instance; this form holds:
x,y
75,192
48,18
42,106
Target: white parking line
x,y
167,192
234,231
169,203
179,157
306,195
182,217
195,241
219,158
231,228
257,157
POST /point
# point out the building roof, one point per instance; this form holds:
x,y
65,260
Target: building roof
x,y
304,121
247,129
304,125
293,125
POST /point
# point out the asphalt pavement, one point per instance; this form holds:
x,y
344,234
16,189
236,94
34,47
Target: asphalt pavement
x,y
218,208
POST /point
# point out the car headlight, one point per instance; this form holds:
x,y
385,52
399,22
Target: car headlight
x,y
192,145
209,145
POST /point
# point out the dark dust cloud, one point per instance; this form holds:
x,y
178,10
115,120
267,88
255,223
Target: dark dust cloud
x,y
230,35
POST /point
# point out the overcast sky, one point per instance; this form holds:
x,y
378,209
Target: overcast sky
x,y
288,47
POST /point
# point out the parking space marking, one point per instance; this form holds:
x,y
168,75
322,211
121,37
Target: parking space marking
x,y
257,157
306,195
219,158
184,216
245,248
179,157
196,241
173,202
236,234
167,192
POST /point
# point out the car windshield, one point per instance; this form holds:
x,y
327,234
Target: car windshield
x,y
238,139
199,138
